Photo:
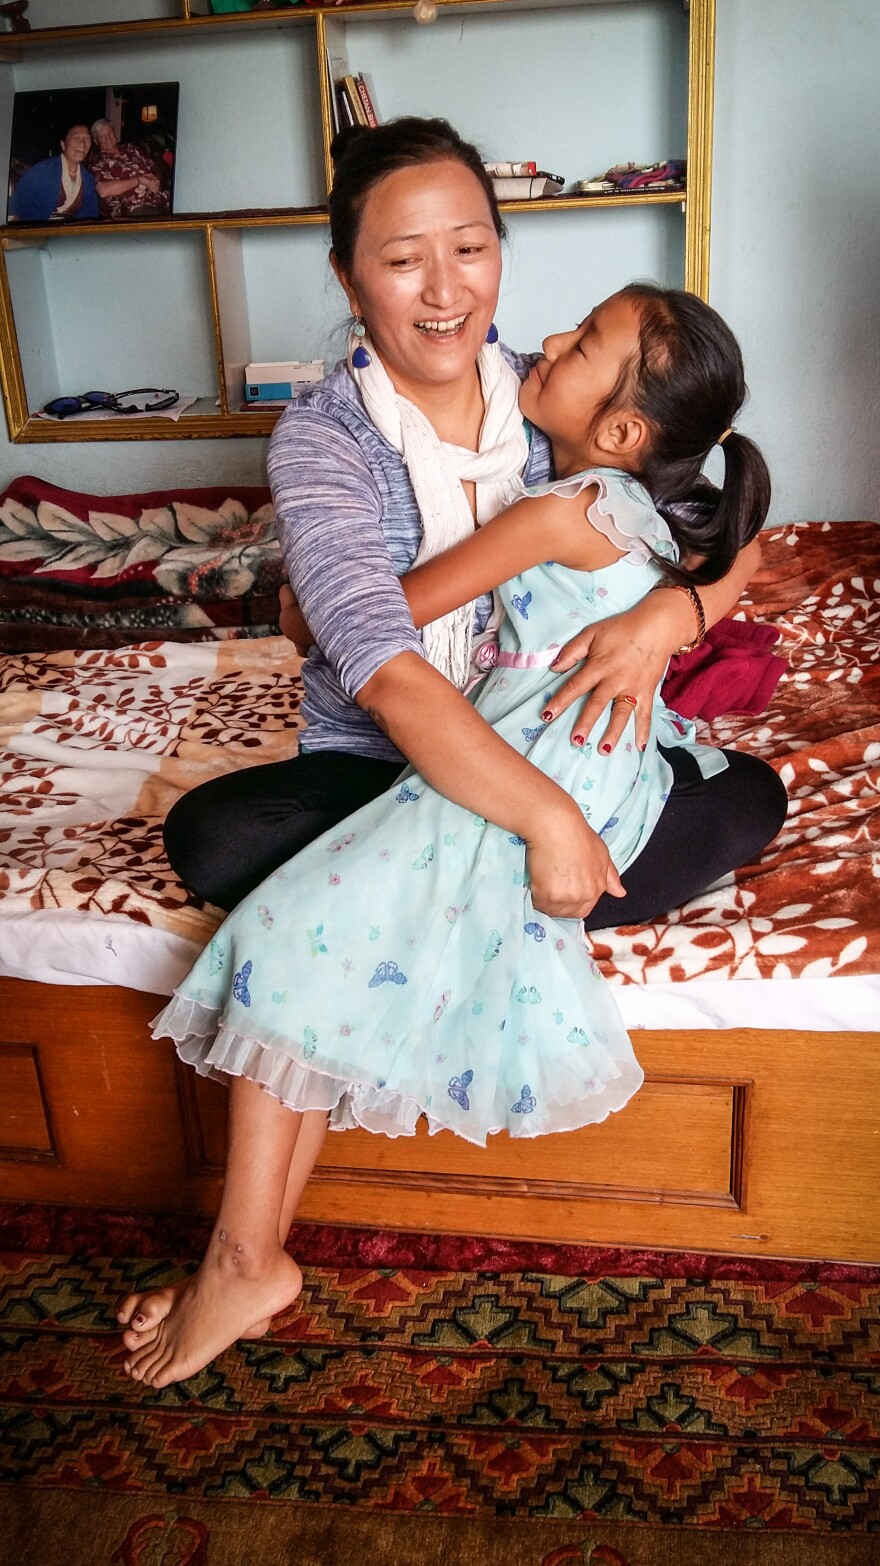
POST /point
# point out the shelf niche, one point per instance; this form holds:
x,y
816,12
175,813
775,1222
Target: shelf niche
x,y
246,250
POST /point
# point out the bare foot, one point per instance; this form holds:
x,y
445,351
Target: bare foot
x,y
212,1310
141,1314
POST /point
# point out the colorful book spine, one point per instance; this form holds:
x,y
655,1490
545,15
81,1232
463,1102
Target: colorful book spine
x,y
366,100
343,109
353,98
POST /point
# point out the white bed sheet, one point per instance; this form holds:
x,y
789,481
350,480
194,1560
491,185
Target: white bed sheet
x,y
65,946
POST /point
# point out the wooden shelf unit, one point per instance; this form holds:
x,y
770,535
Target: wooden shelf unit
x,y
220,415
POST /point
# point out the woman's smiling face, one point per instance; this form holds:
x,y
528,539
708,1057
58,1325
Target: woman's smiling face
x,y
77,144
425,274
580,369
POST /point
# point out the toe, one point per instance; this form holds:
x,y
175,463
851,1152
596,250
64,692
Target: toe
x,y
127,1308
144,1312
140,1363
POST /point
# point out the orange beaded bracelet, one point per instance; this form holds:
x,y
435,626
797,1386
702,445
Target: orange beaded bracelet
x,y
697,606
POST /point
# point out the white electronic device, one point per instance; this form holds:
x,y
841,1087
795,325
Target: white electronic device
x,y
282,380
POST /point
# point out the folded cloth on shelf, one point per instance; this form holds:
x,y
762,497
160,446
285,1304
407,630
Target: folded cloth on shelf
x,y
732,670
97,571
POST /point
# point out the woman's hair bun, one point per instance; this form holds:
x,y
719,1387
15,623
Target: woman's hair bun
x,y
345,138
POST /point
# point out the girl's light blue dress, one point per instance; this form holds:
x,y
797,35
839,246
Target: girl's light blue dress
x,y
396,967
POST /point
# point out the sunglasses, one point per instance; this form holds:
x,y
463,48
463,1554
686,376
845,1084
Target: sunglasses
x,y
88,402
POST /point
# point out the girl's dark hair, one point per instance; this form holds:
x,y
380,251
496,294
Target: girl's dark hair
x,y
362,156
688,381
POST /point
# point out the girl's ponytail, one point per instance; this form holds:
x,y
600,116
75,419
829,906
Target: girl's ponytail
x,y
689,383
744,499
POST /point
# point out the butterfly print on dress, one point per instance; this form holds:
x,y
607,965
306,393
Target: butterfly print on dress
x,y
527,1101
240,984
387,973
458,1087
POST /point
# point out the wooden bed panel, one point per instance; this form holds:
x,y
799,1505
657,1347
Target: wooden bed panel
x,y
745,1143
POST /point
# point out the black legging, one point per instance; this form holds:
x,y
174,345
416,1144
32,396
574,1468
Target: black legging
x,y
226,836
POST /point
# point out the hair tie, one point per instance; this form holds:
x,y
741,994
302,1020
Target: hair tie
x,y
722,438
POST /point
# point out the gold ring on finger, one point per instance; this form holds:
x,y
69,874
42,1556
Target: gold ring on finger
x,y
631,701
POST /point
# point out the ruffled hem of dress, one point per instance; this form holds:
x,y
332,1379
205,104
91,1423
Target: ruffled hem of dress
x,y
203,1041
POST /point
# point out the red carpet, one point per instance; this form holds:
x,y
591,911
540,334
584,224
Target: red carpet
x,y
67,1231
431,1398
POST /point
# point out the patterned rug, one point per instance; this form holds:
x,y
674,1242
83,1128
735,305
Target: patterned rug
x,y
649,1413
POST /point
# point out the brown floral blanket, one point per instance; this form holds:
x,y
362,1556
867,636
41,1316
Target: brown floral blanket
x,y
97,744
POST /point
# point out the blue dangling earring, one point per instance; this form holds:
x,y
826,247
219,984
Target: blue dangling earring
x,y
492,334
360,358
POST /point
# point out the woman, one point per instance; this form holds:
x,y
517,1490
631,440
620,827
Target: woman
x,y
416,247
57,188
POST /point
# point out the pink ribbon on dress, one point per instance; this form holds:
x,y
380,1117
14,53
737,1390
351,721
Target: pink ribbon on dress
x,y
488,654
532,660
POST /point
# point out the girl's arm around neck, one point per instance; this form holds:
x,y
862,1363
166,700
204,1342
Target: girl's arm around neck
x,y
533,530
462,757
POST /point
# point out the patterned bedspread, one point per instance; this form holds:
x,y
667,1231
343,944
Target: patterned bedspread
x,y
96,745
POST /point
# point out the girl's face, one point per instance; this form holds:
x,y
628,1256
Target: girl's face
x,y
580,369
425,275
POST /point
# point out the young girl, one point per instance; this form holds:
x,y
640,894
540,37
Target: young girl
x,y
399,966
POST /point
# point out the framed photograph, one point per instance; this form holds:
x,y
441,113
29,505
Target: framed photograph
x,y
93,154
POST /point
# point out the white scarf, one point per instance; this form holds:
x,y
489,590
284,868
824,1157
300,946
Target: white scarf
x,y
71,185
437,469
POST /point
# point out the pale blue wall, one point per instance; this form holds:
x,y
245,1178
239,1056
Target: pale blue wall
x,y
796,241
795,234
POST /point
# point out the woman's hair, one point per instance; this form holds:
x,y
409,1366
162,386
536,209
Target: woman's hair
x,y
362,156
688,382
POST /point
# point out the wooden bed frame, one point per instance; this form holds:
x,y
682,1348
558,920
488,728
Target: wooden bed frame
x,y
741,1142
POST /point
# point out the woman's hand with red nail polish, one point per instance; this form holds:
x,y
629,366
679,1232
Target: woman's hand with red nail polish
x,y
627,652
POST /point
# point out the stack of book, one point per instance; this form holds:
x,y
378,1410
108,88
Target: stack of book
x,y
523,181
353,102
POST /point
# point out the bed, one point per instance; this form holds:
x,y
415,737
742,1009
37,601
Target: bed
x,y
141,657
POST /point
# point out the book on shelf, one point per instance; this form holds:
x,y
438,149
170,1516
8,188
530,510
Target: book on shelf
x,y
336,68
344,111
366,99
527,187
